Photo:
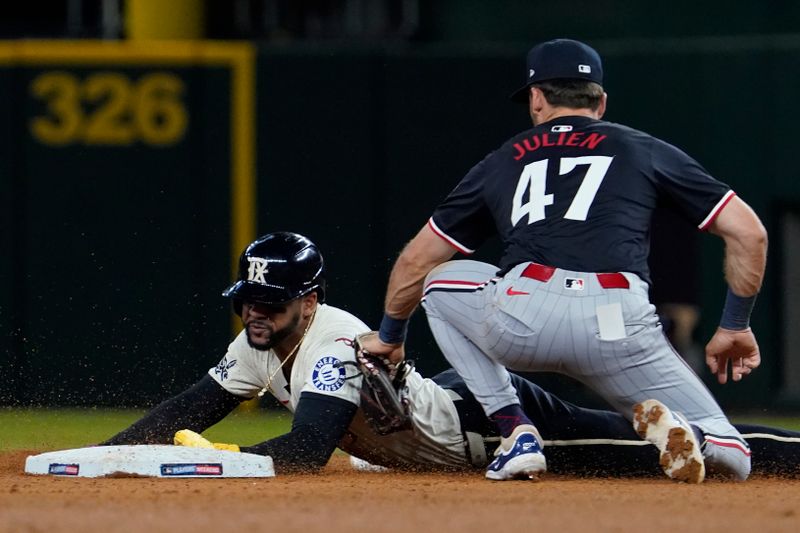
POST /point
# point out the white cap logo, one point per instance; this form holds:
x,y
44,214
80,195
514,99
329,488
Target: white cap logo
x,y
585,69
258,267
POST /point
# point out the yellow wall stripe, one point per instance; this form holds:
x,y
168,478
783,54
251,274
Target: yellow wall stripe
x,y
243,191
157,19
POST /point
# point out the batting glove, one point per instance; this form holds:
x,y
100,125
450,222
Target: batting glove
x,y
187,437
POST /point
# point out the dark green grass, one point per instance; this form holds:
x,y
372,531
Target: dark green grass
x,y
54,429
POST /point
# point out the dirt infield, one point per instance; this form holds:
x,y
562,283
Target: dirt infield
x,y
340,499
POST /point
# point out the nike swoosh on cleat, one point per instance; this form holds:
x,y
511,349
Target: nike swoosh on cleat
x,y
512,292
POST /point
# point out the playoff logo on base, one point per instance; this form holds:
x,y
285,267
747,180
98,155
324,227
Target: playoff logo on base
x,y
192,469
60,469
148,460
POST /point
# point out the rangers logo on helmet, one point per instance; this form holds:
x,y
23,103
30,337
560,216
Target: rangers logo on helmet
x,y
257,270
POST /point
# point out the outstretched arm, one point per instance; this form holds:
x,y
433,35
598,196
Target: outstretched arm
x,y
425,252
198,408
745,261
319,424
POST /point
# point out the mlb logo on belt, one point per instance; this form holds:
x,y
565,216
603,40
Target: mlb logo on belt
x,y
573,284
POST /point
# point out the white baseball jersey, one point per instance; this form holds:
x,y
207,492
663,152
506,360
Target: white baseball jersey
x,y
436,437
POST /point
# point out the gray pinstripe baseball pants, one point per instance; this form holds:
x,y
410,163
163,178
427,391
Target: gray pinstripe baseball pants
x,y
485,325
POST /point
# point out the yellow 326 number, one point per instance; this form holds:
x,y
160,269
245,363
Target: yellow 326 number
x,y
109,108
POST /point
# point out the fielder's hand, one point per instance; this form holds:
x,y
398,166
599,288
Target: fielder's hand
x,y
737,347
371,344
187,437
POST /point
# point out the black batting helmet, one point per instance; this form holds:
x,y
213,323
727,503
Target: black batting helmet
x,y
277,268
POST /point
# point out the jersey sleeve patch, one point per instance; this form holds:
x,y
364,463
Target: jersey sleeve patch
x,y
222,368
328,374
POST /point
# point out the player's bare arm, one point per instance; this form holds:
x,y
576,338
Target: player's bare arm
x,y
421,255
745,261
745,246
425,252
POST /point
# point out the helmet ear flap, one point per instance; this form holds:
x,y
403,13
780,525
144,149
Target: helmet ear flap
x,y
321,289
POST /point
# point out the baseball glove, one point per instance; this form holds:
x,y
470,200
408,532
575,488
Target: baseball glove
x,y
384,394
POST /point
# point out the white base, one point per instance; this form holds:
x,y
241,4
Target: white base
x,y
363,466
150,461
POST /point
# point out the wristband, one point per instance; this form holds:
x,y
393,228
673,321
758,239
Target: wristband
x,y
393,330
736,313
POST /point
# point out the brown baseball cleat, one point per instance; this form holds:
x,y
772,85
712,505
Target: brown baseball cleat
x,y
673,436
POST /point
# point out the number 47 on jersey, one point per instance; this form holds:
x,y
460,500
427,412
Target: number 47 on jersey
x,y
534,180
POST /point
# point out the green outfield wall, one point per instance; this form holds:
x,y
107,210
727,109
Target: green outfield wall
x,y
119,237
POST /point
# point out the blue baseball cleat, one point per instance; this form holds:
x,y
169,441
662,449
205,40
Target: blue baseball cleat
x,y
519,456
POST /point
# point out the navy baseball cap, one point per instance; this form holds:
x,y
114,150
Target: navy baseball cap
x,y
560,59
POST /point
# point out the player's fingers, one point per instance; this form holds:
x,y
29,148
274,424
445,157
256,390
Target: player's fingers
x,y
745,370
712,365
738,369
711,362
722,371
753,361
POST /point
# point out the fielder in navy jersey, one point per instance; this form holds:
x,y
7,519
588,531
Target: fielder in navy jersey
x,y
571,200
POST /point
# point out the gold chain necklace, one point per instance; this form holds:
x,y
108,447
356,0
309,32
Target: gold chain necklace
x,y
271,376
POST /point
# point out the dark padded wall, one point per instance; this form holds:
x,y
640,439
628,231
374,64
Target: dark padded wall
x,y
409,124
118,254
114,258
